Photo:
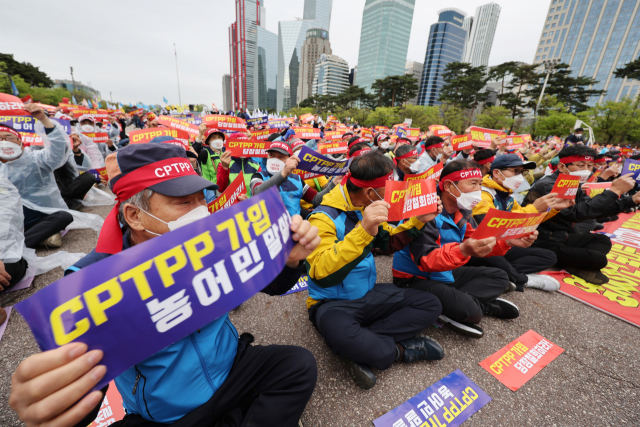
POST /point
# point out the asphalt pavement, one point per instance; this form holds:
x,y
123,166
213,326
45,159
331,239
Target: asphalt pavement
x,y
595,382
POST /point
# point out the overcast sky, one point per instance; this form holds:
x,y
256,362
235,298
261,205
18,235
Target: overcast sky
x,y
126,47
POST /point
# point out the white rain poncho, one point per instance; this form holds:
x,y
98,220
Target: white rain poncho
x,y
12,247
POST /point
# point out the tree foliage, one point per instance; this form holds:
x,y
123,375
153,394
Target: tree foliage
x,y
495,118
394,91
630,70
28,72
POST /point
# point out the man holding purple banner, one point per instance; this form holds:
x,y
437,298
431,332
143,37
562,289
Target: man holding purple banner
x,y
212,376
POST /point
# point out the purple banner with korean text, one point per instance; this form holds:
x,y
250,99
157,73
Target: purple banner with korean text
x,y
257,121
137,302
27,123
301,285
449,402
312,161
631,166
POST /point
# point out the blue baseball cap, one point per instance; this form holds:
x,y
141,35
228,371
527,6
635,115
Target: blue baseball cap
x,y
510,161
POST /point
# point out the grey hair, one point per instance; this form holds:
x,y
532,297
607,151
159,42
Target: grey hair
x,y
140,200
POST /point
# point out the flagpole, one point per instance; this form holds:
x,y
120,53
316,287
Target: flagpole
x,y
177,75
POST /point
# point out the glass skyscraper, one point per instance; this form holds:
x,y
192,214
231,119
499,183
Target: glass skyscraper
x,y
266,70
481,30
291,37
446,44
594,37
384,40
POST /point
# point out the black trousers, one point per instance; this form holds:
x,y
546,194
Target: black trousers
x,y
366,330
518,262
46,227
268,386
16,270
76,189
585,250
463,300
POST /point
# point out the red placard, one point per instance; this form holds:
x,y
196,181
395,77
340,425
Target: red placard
x,y
11,105
333,147
517,362
409,199
143,136
332,135
515,142
111,409
240,146
626,151
66,107
507,225
595,188
306,175
230,195
331,119
413,134
173,123
31,139
306,117
366,134
260,135
440,130
225,122
566,186
381,128
461,142
306,133
484,136
98,138
431,173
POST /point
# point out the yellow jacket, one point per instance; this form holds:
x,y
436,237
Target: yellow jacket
x,y
335,258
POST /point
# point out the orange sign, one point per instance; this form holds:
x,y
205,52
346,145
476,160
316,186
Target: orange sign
x,y
333,147
332,135
306,133
440,130
173,123
461,142
242,147
262,134
517,362
366,134
484,136
507,225
219,121
595,188
306,175
230,195
566,186
143,136
431,173
408,199
100,137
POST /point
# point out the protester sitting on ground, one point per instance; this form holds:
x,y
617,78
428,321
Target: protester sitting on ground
x,y
280,164
318,183
581,254
73,186
436,261
31,172
13,266
81,160
369,324
226,380
87,125
506,177
208,145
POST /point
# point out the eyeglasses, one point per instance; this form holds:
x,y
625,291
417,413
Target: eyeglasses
x,y
10,138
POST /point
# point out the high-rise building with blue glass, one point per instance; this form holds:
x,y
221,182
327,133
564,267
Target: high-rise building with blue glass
x,y
595,37
384,40
446,44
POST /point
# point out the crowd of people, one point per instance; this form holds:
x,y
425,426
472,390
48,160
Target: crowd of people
x,y
215,376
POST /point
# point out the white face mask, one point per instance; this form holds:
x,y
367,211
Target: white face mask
x,y
583,174
468,200
513,182
275,165
414,167
9,150
384,144
87,128
198,213
216,144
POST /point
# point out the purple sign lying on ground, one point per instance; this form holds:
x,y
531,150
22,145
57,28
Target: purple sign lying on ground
x,y
449,402
312,161
301,285
139,301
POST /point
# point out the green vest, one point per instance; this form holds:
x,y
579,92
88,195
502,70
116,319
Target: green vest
x,y
245,166
210,167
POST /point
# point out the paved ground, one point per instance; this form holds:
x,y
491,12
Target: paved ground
x,y
596,381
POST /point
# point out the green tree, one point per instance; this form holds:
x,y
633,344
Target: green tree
x,y
452,117
394,91
464,86
612,119
515,99
555,123
28,72
631,70
500,73
383,116
494,118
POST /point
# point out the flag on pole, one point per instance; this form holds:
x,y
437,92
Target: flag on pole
x,y
14,89
165,100
90,104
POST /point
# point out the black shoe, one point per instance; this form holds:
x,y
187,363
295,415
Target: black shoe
x,y
361,374
512,287
467,329
502,309
592,276
421,347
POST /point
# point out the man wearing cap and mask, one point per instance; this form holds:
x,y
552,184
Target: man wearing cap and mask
x,y
506,177
208,146
31,172
369,324
87,124
582,254
211,376
436,261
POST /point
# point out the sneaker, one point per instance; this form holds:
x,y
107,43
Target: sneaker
x,y
52,242
502,309
467,329
510,288
542,282
592,276
421,347
361,374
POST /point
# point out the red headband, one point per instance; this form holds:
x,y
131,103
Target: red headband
x,y
374,183
602,160
571,159
282,145
485,161
411,153
460,175
4,128
127,186
357,141
360,152
438,145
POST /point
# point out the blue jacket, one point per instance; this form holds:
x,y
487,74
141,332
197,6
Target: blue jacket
x,y
290,191
186,374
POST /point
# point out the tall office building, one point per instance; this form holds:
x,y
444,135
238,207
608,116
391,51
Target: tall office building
x,y
291,37
482,28
595,37
384,39
331,75
315,44
415,69
251,45
446,43
226,93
